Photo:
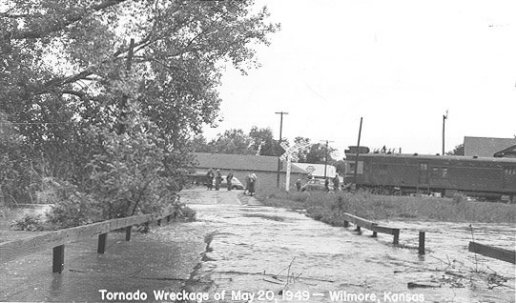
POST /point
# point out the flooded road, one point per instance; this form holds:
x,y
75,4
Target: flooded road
x,y
279,255
241,251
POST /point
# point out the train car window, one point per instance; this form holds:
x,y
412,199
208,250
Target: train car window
x,y
439,172
510,171
423,166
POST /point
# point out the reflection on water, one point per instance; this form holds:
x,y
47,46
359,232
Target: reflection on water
x,y
263,248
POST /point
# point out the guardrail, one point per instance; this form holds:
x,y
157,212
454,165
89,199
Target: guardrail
x,y
375,228
361,222
493,252
57,239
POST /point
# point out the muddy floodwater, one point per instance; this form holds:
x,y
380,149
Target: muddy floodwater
x,y
256,253
241,251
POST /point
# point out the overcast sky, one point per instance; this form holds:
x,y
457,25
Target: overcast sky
x,y
398,64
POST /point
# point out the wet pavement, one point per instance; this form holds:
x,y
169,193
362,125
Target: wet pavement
x,y
285,256
161,260
240,251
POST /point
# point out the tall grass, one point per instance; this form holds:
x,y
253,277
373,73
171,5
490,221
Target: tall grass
x,y
328,207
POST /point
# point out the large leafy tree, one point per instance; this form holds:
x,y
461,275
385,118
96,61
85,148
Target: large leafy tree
x,y
264,143
68,66
457,151
233,141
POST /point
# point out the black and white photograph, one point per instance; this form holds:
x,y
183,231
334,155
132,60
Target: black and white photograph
x,y
247,151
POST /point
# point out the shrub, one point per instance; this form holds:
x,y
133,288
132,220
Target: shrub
x,y
28,223
458,198
76,210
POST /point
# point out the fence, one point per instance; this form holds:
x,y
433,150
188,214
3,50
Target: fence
x,y
493,252
375,228
489,251
57,239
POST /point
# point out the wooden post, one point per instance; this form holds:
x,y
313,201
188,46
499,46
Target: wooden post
x,y
159,222
346,223
358,154
58,259
357,229
102,243
147,227
375,234
421,249
168,219
396,238
128,230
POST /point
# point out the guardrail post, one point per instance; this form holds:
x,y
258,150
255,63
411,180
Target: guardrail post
x,y
396,238
102,243
357,229
128,230
346,223
159,222
375,234
168,219
58,259
147,227
421,249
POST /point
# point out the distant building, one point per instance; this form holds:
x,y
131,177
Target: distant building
x,y
265,168
486,147
317,170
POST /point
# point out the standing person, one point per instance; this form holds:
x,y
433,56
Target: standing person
x,y
336,183
218,180
252,183
327,184
209,179
247,181
229,178
298,184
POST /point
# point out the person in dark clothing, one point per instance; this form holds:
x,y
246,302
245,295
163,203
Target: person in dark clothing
x,y
298,184
327,184
247,181
209,179
229,178
218,179
336,183
252,183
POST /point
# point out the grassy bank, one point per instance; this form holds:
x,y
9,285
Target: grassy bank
x,y
328,207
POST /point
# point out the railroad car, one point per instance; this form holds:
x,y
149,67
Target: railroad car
x,y
489,178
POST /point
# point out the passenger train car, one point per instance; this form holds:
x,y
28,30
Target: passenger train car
x,y
489,178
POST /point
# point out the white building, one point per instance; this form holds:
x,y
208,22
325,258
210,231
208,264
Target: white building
x,y
317,170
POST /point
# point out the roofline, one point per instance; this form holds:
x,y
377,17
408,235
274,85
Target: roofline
x,y
435,157
249,170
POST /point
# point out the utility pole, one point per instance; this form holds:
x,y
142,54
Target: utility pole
x,y
445,116
358,152
326,157
280,139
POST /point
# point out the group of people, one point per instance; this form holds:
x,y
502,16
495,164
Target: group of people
x,y
250,181
336,183
217,176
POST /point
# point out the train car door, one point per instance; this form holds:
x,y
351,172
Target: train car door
x,y
423,174
509,178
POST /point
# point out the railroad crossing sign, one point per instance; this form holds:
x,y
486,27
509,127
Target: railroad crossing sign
x,y
310,169
289,156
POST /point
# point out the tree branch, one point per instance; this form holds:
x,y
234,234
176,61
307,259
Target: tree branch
x,y
47,29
